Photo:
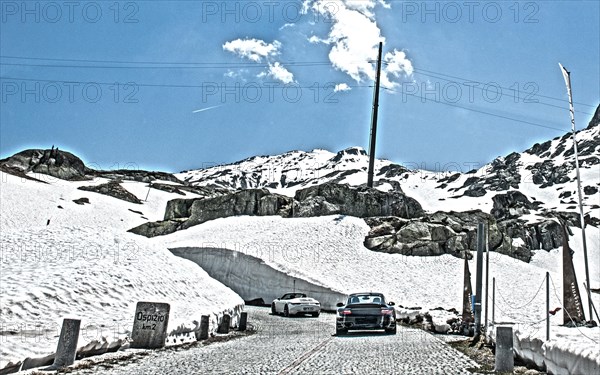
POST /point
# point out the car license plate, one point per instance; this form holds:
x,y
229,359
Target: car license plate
x,y
307,308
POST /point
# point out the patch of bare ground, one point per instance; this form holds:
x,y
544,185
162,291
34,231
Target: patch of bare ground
x,y
484,355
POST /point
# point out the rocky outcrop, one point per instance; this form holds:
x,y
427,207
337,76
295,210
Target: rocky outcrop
x,y
159,228
328,199
202,191
512,204
501,174
135,175
546,173
112,189
185,213
436,234
253,202
52,162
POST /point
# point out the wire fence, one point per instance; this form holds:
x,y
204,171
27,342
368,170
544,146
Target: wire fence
x,y
532,327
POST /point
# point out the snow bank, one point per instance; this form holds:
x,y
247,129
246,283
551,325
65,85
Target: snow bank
x,y
571,351
329,252
78,261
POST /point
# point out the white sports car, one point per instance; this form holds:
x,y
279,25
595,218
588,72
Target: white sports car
x,y
295,304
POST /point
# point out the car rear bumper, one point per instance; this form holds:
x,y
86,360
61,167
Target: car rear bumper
x,y
304,309
368,322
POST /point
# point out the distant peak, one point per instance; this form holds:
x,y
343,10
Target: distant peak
x,y
353,151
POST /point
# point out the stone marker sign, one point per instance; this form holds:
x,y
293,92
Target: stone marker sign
x,y
67,344
150,325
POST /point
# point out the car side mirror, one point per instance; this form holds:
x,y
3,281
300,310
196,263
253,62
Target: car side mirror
x,y
339,304
391,303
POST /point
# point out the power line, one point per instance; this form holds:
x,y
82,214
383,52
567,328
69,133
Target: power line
x,y
221,65
156,62
481,112
284,86
427,72
250,85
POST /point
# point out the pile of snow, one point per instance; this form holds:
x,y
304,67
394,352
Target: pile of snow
x,y
78,261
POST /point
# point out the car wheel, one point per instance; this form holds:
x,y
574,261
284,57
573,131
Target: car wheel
x,y
286,311
273,309
315,314
340,331
391,331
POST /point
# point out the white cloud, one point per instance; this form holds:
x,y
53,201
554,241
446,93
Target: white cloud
x,y
363,6
280,73
315,40
354,38
287,25
341,87
253,49
258,51
396,65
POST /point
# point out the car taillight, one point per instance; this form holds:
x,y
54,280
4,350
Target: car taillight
x,y
386,312
345,312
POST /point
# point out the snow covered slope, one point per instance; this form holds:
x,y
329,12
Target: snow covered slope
x,y
62,259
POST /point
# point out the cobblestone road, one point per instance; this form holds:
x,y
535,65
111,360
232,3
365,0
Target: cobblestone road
x,y
305,346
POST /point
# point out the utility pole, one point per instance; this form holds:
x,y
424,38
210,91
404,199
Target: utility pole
x,y
374,120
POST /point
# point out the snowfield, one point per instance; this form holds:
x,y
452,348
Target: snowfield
x,y
85,265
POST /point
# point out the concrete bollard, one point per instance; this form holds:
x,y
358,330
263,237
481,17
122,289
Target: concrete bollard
x,y
505,361
67,344
243,321
150,325
203,333
224,326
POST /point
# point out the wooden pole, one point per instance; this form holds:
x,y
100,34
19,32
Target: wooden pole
x,y
374,120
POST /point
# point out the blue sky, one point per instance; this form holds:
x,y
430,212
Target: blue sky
x,y
125,84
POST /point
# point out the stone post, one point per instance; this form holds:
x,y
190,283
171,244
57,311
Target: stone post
x,y
505,361
243,321
67,344
224,326
203,334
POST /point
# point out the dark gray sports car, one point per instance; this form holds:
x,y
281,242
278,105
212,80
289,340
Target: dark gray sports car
x,y
365,311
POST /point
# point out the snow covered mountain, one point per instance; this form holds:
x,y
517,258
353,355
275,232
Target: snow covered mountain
x,y
544,173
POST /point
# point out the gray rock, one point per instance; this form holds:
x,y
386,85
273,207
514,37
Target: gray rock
x,y
52,162
436,234
255,202
112,189
511,204
159,228
357,201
